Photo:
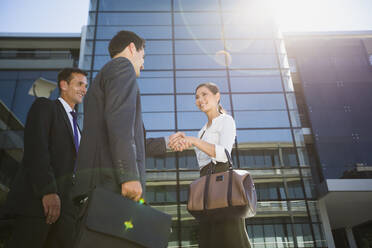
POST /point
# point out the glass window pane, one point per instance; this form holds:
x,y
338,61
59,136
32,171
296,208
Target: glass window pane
x,y
200,61
269,138
205,18
8,74
152,47
259,119
22,100
187,102
250,46
134,19
146,32
99,61
157,103
195,5
197,32
191,120
7,90
198,46
92,18
128,5
189,84
152,62
187,160
158,121
256,84
258,236
155,84
258,102
253,61
88,48
158,62
269,236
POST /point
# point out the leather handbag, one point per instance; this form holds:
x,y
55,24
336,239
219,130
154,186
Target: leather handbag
x,y
111,220
223,195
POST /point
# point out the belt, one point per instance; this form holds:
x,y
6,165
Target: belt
x,y
212,168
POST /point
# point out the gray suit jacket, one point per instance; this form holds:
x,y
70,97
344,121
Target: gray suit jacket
x,y
112,147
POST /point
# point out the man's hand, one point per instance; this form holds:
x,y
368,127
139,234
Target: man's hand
x,y
179,142
52,207
132,190
175,138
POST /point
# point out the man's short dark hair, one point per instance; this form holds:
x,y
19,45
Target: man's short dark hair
x,y
122,39
66,75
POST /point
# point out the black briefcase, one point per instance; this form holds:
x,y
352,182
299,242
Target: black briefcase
x,y
111,220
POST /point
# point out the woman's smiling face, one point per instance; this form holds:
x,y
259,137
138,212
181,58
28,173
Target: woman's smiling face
x,y
205,100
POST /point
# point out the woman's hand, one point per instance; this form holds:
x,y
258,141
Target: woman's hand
x,y
180,142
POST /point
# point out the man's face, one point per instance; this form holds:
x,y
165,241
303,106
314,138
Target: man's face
x,y
138,60
74,91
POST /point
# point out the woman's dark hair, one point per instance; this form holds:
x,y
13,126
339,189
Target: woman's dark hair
x,y
122,39
214,89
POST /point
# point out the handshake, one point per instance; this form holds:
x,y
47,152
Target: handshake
x,y
179,142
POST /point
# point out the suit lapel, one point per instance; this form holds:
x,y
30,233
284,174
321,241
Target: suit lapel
x,y
66,120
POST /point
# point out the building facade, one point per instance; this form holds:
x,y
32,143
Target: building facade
x,y
332,75
237,46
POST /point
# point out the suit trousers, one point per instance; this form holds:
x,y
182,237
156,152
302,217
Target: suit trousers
x,y
33,232
226,233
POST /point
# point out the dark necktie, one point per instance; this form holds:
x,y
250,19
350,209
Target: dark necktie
x,y
76,134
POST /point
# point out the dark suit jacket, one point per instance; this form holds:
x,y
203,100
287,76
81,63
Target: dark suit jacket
x,y
48,161
112,148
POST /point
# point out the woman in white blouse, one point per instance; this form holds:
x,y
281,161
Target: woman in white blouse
x,y
217,135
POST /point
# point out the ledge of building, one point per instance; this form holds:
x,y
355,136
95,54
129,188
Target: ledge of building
x,y
348,201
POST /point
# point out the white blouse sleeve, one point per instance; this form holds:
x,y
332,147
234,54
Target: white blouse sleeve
x,y
227,135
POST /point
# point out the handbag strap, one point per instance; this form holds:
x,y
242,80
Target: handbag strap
x,y
229,187
229,160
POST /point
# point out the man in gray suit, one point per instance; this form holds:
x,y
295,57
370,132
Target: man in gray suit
x,y
112,148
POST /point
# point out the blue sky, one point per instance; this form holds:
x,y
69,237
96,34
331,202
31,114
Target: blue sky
x,y
67,16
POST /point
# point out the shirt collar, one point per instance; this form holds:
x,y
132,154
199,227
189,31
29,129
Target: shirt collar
x,y
67,107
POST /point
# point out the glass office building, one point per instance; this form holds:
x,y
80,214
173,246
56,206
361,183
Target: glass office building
x,y
333,85
236,45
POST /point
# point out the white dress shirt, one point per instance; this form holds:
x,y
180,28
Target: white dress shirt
x,y
222,134
68,109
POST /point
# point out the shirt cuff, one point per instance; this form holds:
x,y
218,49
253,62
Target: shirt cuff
x,y
166,139
220,154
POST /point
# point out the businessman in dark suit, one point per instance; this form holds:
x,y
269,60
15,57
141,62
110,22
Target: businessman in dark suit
x,y
113,146
41,194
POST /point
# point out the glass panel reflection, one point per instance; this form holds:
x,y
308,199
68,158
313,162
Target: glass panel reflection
x,y
195,5
259,119
134,18
196,18
264,138
146,32
128,5
259,102
197,32
250,46
189,84
154,85
256,84
187,102
152,47
191,120
158,120
215,61
198,46
254,61
157,103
